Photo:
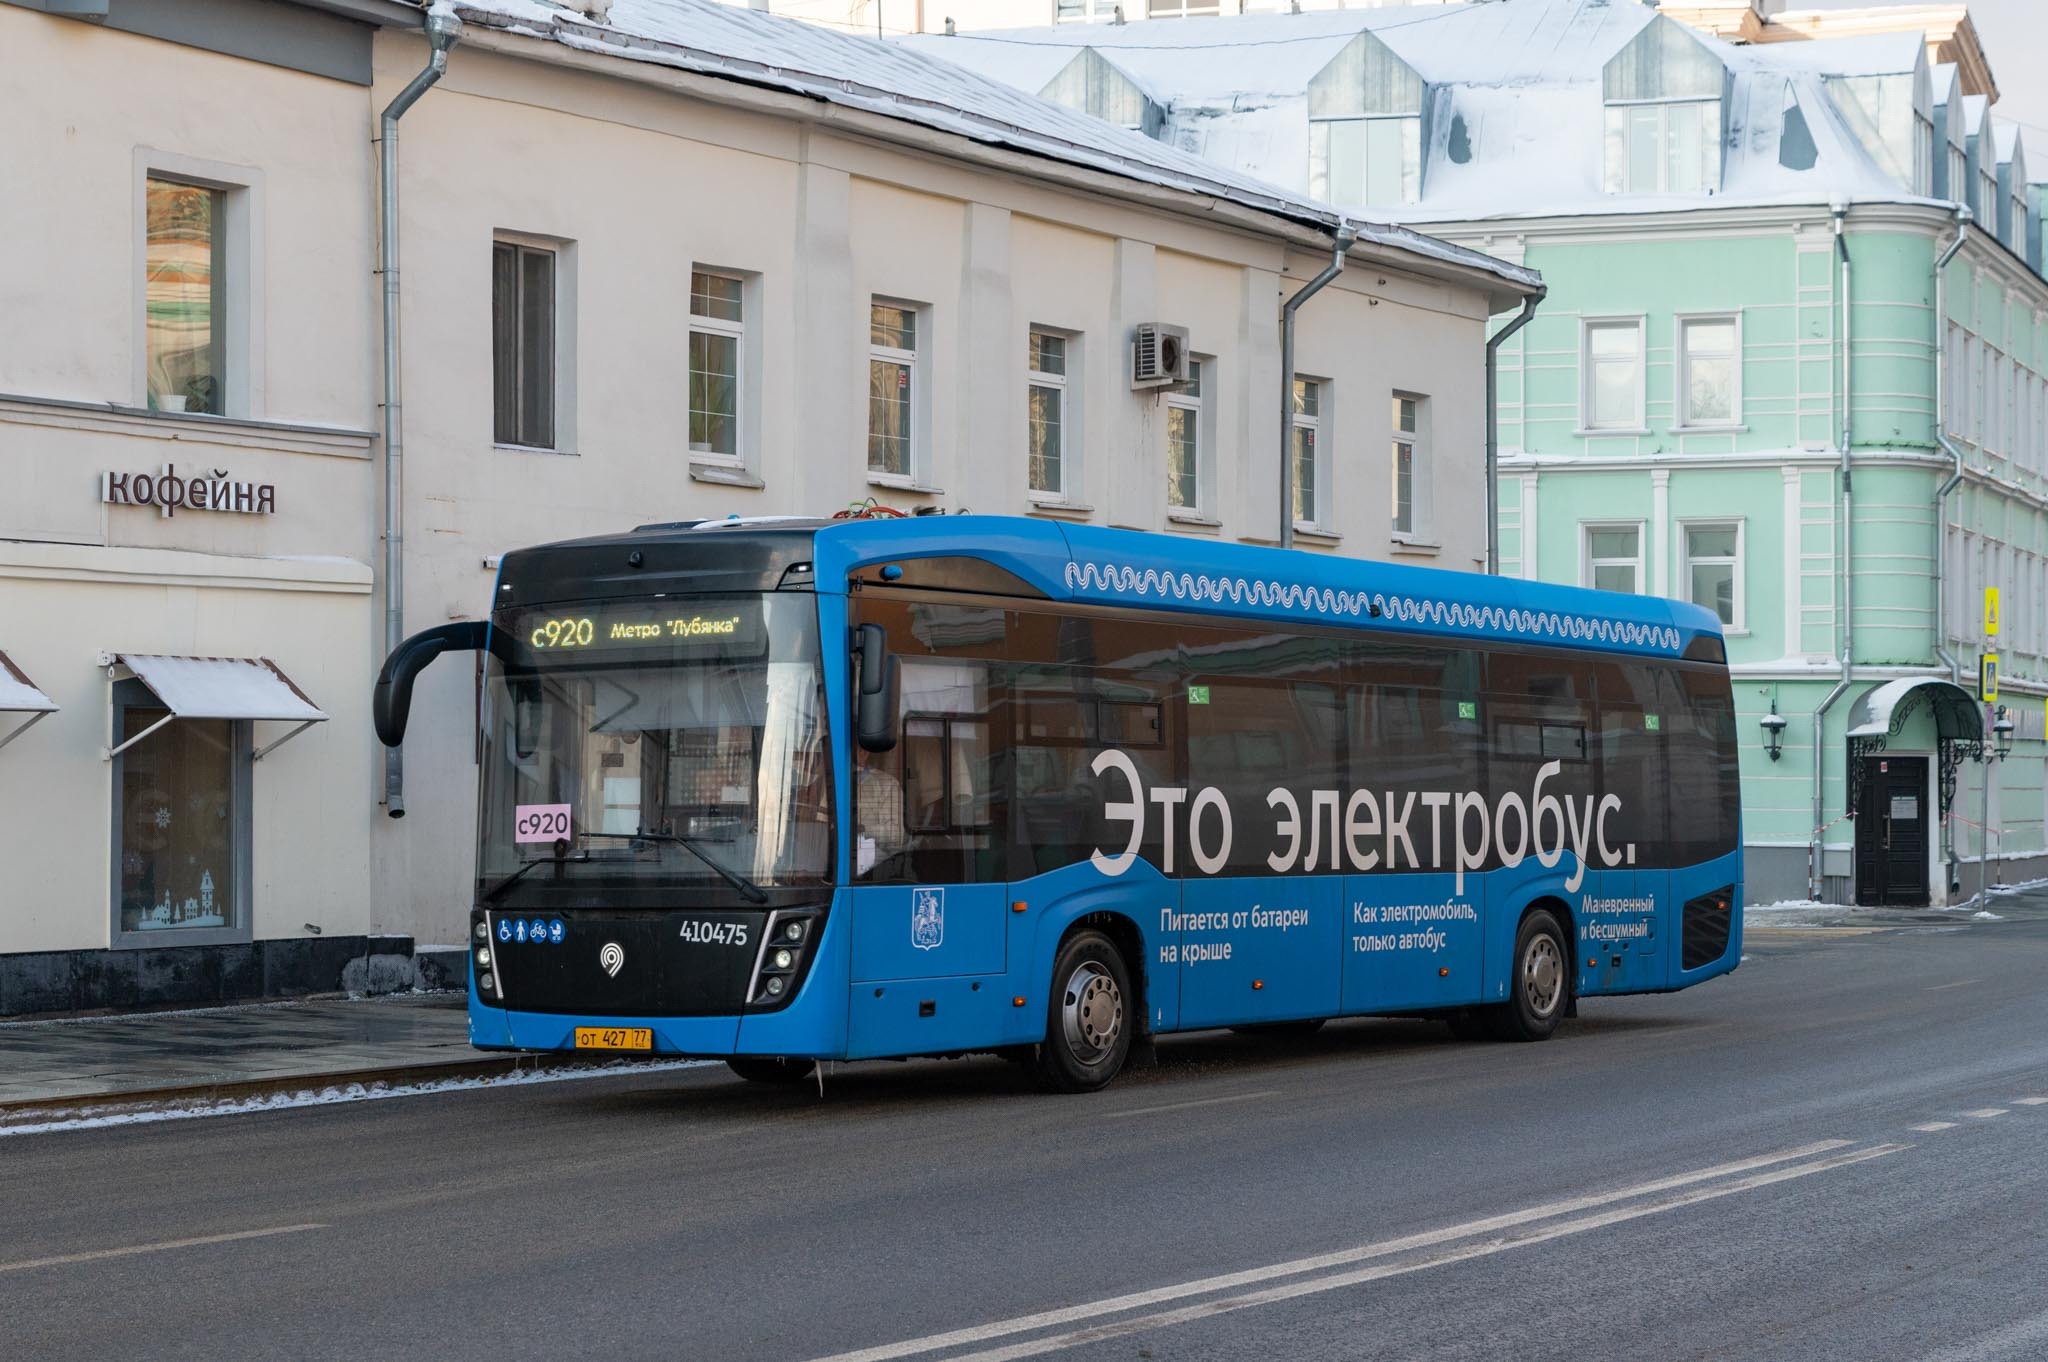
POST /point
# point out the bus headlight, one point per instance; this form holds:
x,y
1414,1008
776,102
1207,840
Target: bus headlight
x,y
774,986
483,930
784,959
793,930
486,984
483,957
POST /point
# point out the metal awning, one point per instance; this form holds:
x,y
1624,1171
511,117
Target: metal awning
x,y
239,688
19,695
1881,711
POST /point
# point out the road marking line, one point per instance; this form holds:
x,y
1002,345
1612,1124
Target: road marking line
x,y
97,1254
2015,1340
981,1333
2030,1101
1358,1276
1199,1102
1960,983
1985,1113
1929,1127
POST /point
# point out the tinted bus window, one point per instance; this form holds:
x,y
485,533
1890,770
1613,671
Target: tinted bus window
x,y
1705,799
1633,764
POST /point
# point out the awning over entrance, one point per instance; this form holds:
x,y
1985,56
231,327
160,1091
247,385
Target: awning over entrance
x,y
19,695
1880,712
221,688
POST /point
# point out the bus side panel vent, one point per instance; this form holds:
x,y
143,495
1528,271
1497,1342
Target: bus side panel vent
x,y
1707,921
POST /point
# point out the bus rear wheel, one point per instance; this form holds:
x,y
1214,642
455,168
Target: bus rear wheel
x,y
1540,989
760,1069
1088,1019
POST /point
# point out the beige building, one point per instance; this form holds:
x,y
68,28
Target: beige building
x,y
676,261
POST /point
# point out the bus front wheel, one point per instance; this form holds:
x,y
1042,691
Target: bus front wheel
x,y
761,1069
1088,1017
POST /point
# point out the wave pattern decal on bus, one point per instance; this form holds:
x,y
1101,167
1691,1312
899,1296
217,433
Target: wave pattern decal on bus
x,y
1240,591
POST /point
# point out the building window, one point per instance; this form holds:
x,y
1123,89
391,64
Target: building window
x,y
1309,492
1612,358
1710,373
1411,466
718,333
1667,147
1713,568
1083,11
1180,9
185,282
1356,161
180,849
1613,558
1046,413
1186,449
1958,174
523,331
892,388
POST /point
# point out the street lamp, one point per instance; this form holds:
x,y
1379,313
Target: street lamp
x,y
1773,725
2001,733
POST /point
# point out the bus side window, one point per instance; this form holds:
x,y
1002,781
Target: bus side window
x,y
1633,764
1699,730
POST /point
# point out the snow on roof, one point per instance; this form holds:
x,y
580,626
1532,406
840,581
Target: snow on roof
x,y
2006,137
900,82
1515,115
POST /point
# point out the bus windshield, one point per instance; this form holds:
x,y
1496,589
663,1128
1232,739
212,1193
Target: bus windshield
x,y
655,744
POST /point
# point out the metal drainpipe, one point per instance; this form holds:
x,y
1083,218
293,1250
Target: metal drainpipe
x,y
1838,210
1346,236
1955,477
442,30
1493,427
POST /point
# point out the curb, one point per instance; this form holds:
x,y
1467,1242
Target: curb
x,y
35,1110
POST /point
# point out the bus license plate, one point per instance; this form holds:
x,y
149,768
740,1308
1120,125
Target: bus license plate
x,y
614,1038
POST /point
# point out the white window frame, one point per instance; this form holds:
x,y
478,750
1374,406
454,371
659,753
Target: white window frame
x,y
1683,396
1685,526
243,297
1587,562
1201,407
1710,179
1317,522
564,252
917,456
1409,172
1421,476
1070,425
1587,326
709,461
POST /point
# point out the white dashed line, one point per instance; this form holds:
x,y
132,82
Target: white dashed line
x,y
1931,1127
2030,1101
1985,1113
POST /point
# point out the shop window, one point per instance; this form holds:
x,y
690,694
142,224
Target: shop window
x,y
180,851
194,244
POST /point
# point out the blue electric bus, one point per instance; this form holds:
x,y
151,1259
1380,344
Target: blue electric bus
x,y
779,791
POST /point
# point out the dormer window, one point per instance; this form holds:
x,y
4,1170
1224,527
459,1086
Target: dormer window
x,y
1892,115
1093,84
1664,96
1365,128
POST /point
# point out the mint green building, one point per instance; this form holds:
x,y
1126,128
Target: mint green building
x,y
1779,370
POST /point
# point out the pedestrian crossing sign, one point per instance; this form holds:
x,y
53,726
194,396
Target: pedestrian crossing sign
x,y
1991,612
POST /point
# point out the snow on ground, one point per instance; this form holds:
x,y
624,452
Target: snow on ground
x,y
113,1114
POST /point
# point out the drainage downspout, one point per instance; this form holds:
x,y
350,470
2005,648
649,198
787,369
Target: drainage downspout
x,y
1955,478
1346,235
1493,427
1838,210
442,29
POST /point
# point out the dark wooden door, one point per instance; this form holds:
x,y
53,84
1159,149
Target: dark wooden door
x,y
1892,822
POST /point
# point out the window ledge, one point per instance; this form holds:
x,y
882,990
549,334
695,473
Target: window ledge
x,y
298,437
1195,518
1414,543
902,484
1317,533
534,449
1060,506
1727,428
1595,433
724,474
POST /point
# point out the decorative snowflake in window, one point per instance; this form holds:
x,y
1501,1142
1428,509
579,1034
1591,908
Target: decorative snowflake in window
x,y
162,817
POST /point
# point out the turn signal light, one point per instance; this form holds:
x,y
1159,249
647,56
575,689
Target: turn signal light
x,y
1019,906
1258,984
1016,1002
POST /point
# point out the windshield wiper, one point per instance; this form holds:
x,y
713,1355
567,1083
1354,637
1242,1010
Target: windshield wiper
x,y
497,890
752,892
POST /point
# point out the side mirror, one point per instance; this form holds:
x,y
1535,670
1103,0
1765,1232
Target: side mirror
x,y
391,702
876,698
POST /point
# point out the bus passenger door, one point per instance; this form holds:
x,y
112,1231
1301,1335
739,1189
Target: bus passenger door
x,y
1624,913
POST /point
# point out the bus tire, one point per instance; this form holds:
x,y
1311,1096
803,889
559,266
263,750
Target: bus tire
x,y
1540,982
1088,1020
778,1072
1285,1030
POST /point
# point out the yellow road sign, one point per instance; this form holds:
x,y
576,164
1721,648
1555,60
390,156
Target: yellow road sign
x,y
1987,678
1991,612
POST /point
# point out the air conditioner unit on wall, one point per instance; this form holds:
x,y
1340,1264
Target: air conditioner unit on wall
x,y
1159,355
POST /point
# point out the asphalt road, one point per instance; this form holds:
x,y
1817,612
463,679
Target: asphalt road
x,y
1835,1153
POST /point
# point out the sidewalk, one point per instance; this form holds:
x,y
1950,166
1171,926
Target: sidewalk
x,y
237,1051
